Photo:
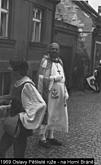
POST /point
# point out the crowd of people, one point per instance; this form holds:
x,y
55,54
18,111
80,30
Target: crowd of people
x,y
42,106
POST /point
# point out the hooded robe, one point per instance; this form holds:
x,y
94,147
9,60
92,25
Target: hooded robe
x,y
51,85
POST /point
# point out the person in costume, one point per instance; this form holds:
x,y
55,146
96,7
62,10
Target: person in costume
x,y
51,85
27,103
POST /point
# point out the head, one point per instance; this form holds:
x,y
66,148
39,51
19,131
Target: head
x,y
19,66
54,50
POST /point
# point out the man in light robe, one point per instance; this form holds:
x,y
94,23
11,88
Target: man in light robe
x,y
51,85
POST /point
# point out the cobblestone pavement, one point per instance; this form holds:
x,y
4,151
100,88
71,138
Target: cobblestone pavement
x,y
84,137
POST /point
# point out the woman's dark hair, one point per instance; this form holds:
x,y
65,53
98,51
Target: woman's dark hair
x,y
19,66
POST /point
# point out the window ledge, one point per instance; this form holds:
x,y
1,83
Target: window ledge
x,y
7,43
37,44
4,99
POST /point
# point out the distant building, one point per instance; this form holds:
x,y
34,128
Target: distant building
x,y
82,15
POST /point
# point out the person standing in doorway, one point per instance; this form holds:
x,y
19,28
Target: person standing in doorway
x,y
51,85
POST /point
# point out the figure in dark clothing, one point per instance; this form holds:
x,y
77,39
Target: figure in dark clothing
x,y
98,77
26,102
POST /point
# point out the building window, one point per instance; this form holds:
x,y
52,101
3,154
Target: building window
x,y
36,25
5,83
4,12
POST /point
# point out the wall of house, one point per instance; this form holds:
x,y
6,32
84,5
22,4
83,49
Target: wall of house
x,y
96,44
69,12
66,35
19,41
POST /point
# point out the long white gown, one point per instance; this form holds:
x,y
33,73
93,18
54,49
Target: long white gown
x,y
57,99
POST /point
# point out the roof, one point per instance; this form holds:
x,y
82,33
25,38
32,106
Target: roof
x,y
86,8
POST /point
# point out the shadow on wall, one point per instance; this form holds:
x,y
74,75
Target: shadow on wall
x,y
80,70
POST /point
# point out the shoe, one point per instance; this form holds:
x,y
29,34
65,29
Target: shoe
x,y
44,143
54,142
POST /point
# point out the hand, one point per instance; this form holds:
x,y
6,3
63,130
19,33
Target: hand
x,y
66,96
58,78
41,76
47,78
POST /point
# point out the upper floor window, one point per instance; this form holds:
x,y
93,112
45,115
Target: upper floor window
x,y
36,25
4,12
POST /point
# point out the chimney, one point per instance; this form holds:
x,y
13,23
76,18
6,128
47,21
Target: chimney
x,y
99,10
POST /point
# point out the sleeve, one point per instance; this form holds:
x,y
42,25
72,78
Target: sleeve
x,y
40,84
66,94
56,78
51,78
34,106
41,73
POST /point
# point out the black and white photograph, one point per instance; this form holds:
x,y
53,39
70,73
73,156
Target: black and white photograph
x,y
50,82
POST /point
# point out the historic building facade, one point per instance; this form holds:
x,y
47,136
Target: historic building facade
x,y
82,15
26,27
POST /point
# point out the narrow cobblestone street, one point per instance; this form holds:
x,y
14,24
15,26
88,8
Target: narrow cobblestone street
x,y
84,137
